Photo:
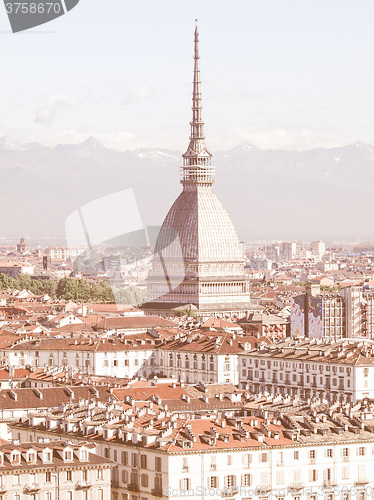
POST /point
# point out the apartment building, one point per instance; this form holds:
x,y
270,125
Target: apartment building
x,y
112,357
58,470
329,371
274,448
333,315
189,356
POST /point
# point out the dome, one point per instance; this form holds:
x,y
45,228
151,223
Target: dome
x,y
204,228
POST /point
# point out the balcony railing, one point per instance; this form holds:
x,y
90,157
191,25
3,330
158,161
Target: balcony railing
x,y
361,481
296,486
264,488
157,492
133,487
83,485
329,483
229,492
31,488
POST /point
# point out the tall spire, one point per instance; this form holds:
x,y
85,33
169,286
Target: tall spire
x,y
197,159
197,124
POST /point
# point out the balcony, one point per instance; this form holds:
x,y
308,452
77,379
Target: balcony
x,y
157,492
83,485
361,481
114,483
230,492
296,486
264,488
31,488
329,483
133,487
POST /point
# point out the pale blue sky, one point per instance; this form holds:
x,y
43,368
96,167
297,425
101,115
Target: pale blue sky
x,y
289,74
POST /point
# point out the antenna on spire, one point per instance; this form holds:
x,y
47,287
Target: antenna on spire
x,y
197,167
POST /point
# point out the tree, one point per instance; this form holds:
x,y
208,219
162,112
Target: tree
x,y
6,282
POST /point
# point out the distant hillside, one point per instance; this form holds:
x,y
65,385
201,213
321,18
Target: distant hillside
x,y
272,194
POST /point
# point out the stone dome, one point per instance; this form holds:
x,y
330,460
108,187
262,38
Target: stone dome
x,y
204,228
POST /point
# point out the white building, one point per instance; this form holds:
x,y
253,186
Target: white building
x,y
318,249
285,449
341,371
56,470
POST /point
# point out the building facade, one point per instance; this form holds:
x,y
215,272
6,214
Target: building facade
x,y
53,470
340,371
333,315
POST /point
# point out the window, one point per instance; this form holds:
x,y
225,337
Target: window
x,y
312,454
313,475
264,479
68,456
124,458
134,460
69,475
329,453
229,459
185,484
144,480
100,495
280,477
246,480
345,452
361,451
158,464
125,476
100,474
48,477
115,455
143,461
213,482
48,495
345,472
296,455
263,457
85,475
247,459
230,481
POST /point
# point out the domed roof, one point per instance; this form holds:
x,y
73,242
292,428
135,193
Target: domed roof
x,y
204,228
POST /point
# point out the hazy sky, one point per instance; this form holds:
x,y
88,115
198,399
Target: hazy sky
x,y
278,74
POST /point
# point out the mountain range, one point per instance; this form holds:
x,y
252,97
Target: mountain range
x,y
322,193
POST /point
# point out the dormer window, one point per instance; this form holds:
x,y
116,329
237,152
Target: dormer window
x,y
1,458
16,458
47,456
68,456
84,455
31,457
